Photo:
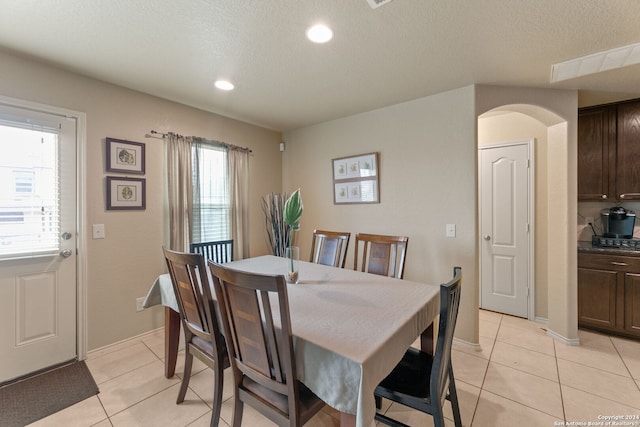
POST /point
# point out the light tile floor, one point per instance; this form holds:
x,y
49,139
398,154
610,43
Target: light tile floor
x,y
521,377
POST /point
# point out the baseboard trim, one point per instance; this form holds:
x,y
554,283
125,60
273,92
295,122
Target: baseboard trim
x,y
106,348
467,344
562,339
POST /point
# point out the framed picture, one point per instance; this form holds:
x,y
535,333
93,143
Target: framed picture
x,y
125,156
126,193
356,179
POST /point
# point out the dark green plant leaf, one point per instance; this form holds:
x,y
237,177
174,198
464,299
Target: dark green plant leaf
x,y
293,210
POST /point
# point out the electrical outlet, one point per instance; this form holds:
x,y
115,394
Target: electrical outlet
x,y
588,220
451,230
139,302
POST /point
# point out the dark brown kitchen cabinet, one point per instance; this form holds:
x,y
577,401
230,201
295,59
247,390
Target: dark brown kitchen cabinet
x,y
596,152
628,151
632,304
609,293
609,152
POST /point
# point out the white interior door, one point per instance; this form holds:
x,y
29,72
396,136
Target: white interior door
x,y
38,290
505,185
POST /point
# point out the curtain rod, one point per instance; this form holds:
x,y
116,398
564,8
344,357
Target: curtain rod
x,y
153,133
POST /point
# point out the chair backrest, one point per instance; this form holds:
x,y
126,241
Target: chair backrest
x,y
383,255
258,349
449,304
329,247
193,292
220,251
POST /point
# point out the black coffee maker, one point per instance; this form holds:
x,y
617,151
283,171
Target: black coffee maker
x,y
617,222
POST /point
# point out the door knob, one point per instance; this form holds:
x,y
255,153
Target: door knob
x,y
487,237
66,253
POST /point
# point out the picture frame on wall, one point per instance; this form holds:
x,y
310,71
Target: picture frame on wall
x,y
356,179
126,193
125,156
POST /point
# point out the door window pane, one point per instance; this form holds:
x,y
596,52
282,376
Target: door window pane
x,y
29,203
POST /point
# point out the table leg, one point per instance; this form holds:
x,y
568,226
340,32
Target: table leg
x,y
347,420
171,340
427,343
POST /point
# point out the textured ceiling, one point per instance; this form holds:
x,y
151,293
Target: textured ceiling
x,y
402,50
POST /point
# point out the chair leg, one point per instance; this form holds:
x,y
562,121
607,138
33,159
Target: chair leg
x,y
438,417
238,407
453,397
186,376
378,402
218,384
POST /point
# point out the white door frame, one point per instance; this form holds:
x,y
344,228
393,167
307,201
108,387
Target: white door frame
x,y
530,143
81,206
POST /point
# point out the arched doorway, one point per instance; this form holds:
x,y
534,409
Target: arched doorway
x,y
510,113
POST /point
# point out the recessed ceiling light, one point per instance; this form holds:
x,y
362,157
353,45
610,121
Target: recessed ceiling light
x,y
319,33
377,3
224,85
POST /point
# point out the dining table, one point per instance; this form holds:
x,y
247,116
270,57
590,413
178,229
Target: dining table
x,y
350,328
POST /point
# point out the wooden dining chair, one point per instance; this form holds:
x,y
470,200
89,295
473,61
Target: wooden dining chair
x,y
220,251
422,381
202,333
329,247
261,347
383,255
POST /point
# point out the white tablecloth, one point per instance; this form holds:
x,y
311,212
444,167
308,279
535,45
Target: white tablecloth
x,y
350,328
161,292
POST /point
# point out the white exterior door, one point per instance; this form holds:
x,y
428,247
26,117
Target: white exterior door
x,y
505,228
38,290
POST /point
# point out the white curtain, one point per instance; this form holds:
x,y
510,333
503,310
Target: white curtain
x,y
239,188
179,188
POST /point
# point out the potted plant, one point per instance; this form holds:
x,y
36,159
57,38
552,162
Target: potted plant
x,y
277,231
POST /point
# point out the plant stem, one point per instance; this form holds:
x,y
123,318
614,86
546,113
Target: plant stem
x,y
291,249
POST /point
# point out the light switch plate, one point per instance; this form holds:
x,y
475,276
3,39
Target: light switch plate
x,y
98,231
451,230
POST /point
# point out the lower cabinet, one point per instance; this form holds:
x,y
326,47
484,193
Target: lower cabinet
x,y
609,293
632,304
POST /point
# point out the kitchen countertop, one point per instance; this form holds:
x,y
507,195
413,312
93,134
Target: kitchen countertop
x,y
587,247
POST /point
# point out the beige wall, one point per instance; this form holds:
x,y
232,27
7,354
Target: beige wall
x,y
427,180
121,267
513,126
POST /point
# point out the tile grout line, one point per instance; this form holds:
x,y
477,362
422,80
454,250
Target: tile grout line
x,y
142,400
105,411
555,354
637,383
475,409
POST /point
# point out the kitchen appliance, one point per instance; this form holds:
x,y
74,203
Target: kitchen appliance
x,y
614,242
617,222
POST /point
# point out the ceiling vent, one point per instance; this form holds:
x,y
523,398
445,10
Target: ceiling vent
x,y
377,3
596,63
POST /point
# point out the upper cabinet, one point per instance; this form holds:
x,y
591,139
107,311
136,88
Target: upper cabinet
x,y
628,151
609,152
